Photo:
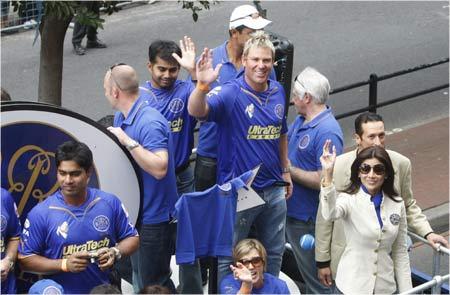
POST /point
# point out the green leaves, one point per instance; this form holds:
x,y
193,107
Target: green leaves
x,y
195,8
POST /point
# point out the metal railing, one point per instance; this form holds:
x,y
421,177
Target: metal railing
x,y
437,280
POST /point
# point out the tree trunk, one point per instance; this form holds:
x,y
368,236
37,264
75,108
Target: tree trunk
x,y
52,31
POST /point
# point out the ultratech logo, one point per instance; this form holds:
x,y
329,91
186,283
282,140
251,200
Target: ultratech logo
x,y
88,246
261,132
176,125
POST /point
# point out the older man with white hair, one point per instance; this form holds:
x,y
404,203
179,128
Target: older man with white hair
x,y
307,135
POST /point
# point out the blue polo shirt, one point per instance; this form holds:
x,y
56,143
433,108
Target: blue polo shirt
x,y
207,138
272,285
56,230
305,148
250,125
148,127
172,104
10,226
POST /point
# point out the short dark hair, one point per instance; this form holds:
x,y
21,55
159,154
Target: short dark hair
x,y
163,49
155,289
382,156
74,151
364,118
239,29
105,289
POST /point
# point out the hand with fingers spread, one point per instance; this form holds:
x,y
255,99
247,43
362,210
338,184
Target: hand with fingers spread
x,y
240,272
206,74
78,262
187,59
327,161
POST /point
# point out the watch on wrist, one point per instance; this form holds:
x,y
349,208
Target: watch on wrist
x,y
131,144
117,253
286,169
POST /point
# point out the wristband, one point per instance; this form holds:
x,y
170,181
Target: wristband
x,y
202,86
286,169
64,265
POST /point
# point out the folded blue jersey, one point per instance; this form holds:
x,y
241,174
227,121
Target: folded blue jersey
x,y
206,220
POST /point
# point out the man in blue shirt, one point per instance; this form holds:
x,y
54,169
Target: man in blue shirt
x,y
10,226
74,225
170,97
146,134
307,135
244,21
249,112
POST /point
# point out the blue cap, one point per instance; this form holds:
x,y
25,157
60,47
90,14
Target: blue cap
x,y
46,287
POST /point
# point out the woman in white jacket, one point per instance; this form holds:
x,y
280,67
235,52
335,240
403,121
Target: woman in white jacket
x,y
375,260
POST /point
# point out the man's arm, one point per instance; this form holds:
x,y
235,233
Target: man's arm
x,y
310,179
8,261
197,105
107,257
285,164
154,163
76,262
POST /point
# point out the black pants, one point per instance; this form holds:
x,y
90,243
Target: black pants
x,y
79,30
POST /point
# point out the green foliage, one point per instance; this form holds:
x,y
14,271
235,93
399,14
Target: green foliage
x,y
195,8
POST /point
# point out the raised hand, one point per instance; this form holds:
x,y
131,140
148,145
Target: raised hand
x,y
187,59
241,273
205,72
328,158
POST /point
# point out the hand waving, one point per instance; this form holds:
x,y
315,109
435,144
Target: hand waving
x,y
205,72
187,59
328,158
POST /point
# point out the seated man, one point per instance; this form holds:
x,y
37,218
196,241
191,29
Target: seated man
x,y
249,276
76,235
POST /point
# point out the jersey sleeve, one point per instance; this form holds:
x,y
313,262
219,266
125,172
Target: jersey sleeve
x,y
221,101
155,136
32,239
124,228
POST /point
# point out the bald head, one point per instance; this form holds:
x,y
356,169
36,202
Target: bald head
x,y
123,77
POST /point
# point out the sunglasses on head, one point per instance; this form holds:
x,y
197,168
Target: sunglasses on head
x,y
378,169
111,68
255,261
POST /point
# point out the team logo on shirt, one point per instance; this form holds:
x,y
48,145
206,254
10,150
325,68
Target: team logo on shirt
x,y
225,187
250,110
394,218
63,229
4,223
176,125
279,111
26,226
304,142
50,290
101,223
263,132
176,105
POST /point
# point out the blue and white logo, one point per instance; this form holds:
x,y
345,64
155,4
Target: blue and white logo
x,y
101,223
176,105
225,187
279,111
4,223
394,218
304,142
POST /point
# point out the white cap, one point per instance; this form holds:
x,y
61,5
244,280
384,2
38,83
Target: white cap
x,y
247,15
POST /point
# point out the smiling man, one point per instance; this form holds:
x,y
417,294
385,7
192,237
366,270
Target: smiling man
x,y
250,136
76,235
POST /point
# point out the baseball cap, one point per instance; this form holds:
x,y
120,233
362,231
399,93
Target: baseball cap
x,y
247,15
46,286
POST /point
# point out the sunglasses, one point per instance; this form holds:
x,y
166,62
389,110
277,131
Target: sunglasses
x,y
255,261
111,68
378,169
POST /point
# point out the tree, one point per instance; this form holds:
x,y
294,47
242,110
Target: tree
x,y
55,19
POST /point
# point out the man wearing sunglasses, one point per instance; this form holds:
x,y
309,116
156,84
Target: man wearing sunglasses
x,y
146,135
307,135
330,237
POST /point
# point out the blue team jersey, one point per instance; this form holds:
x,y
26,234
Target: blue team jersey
x,y
172,104
207,138
305,145
250,125
148,127
56,230
10,226
272,285
206,221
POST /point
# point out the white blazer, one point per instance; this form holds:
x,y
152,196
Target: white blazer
x,y
375,260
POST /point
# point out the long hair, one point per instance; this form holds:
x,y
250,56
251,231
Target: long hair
x,y
381,155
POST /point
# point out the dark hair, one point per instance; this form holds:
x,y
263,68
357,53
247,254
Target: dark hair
x,y
155,289
105,289
5,95
74,151
369,153
239,29
163,49
364,118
